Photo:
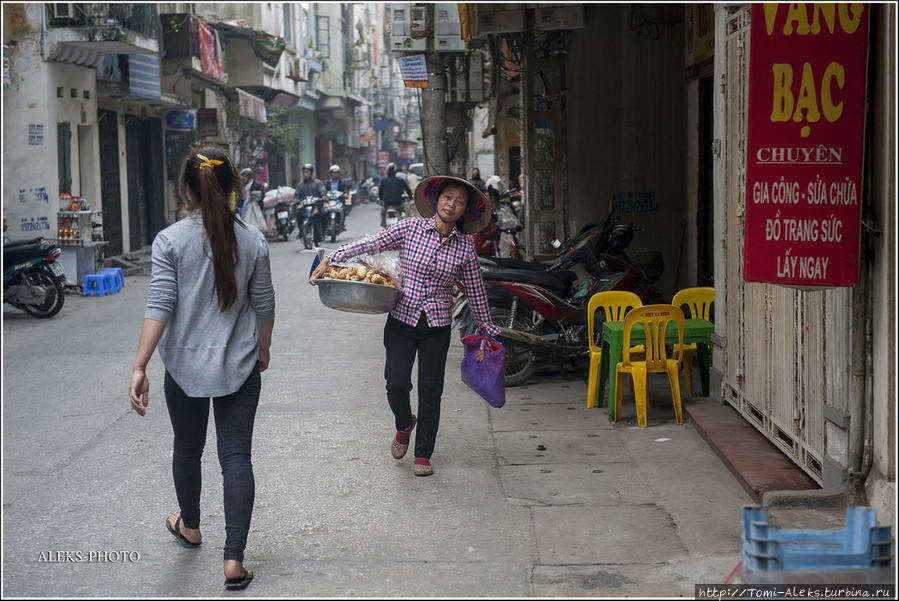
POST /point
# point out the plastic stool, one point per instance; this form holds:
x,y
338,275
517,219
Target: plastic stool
x,y
112,280
96,284
120,276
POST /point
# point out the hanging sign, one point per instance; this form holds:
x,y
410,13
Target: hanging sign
x,y
207,123
414,70
805,143
251,106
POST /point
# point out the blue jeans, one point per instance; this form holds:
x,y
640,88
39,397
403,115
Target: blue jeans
x,y
234,418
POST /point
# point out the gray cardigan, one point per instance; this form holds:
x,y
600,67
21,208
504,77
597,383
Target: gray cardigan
x,y
208,353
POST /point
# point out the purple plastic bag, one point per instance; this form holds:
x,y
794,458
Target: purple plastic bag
x,y
487,377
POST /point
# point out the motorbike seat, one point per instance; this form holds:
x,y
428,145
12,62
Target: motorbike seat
x,y
21,242
19,253
540,278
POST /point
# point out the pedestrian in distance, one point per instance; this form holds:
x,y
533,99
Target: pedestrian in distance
x,y
477,182
390,192
210,311
435,254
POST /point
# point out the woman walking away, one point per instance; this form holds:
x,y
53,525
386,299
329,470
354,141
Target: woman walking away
x,y
209,270
434,255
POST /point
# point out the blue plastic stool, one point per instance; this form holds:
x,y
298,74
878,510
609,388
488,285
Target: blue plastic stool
x,y
99,285
860,544
119,275
112,280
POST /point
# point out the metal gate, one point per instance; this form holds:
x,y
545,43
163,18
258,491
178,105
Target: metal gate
x,y
786,351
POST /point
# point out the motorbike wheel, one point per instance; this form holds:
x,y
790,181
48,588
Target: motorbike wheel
x,y
520,363
332,230
56,295
307,239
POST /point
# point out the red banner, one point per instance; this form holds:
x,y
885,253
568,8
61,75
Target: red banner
x,y
805,143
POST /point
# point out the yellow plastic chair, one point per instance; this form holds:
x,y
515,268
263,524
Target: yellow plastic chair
x,y
654,320
615,304
699,301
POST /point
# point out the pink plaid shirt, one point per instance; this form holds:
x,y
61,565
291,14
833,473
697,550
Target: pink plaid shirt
x,y
429,271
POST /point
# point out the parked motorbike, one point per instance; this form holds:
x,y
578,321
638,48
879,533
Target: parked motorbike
x,y
310,225
333,213
33,280
285,219
488,242
539,313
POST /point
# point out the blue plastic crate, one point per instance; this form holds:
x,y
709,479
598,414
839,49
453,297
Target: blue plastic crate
x,y
860,544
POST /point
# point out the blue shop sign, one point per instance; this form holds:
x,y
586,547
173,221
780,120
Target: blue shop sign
x,y
180,120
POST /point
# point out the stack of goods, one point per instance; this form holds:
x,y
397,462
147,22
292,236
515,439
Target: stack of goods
x,y
359,274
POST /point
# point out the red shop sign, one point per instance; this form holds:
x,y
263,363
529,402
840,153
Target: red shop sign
x,y
805,143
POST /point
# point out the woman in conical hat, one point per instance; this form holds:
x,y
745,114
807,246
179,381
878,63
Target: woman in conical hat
x,y
435,254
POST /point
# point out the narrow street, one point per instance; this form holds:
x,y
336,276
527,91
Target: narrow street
x,y
605,510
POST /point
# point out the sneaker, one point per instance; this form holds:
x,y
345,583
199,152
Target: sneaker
x,y
422,467
398,449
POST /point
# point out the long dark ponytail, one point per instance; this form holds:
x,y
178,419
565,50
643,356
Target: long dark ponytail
x,y
208,178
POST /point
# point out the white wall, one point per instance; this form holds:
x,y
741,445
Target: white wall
x,y
881,485
31,172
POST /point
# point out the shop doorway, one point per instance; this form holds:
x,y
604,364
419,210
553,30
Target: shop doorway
x,y
110,190
705,213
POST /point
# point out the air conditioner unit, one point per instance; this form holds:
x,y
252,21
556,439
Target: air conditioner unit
x,y
302,69
65,10
298,69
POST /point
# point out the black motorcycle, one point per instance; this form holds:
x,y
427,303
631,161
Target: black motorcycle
x,y
334,214
309,220
33,280
285,219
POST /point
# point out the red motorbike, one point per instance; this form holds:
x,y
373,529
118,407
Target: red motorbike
x,y
542,317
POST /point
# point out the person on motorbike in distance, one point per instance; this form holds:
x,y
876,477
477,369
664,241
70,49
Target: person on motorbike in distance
x,y
476,180
435,254
335,183
250,184
311,186
390,192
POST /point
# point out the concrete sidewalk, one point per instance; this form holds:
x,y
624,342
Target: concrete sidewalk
x,y
616,510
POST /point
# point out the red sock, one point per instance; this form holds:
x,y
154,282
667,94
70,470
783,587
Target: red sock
x,y
402,436
422,461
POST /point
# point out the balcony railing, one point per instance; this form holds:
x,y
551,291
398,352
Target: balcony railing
x,y
142,19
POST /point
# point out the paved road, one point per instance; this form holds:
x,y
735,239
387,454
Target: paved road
x,y
604,510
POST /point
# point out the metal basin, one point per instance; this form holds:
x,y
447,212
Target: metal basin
x,y
357,297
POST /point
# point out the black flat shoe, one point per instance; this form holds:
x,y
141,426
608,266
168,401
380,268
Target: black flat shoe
x,y
176,532
236,584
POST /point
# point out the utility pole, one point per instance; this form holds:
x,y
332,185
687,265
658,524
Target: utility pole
x,y
433,117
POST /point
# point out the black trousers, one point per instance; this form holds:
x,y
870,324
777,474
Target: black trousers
x,y
403,342
235,415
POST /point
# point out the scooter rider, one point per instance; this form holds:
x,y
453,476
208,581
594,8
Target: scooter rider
x,y
311,186
390,192
335,183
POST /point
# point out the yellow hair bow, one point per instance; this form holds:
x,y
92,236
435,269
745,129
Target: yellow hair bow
x,y
211,163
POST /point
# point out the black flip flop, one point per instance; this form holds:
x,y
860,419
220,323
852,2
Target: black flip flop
x,y
176,532
236,584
